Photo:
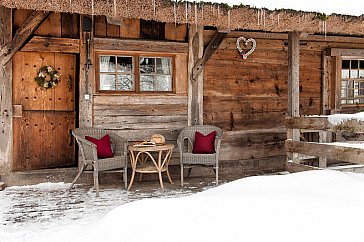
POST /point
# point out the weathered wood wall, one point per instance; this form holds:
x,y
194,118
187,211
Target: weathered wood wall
x,y
138,116
249,97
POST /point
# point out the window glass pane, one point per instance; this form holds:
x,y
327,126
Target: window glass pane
x,y
163,83
361,73
163,65
107,64
125,83
125,64
159,83
147,65
146,83
361,65
354,64
345,73
354,74
345,64
107,82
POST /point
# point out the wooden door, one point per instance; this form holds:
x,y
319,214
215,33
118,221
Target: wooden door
x,y
43,118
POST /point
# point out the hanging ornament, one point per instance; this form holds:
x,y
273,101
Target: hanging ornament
x,y
47,77
245,53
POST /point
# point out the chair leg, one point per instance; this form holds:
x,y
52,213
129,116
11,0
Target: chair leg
x,y
189,172
78,176
182,175
217,175
96,181
125,177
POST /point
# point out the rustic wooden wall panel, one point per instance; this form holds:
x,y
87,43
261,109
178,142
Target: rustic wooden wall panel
x,y
130,28
70,25
141,116
52,26
176,32
248,95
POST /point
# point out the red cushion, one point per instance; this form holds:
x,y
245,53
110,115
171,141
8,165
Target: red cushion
x,y
103,146
204,144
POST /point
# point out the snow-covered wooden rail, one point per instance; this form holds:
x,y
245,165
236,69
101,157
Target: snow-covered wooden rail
x,y
350,151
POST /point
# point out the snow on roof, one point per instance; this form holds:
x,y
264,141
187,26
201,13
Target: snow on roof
x,y
349,7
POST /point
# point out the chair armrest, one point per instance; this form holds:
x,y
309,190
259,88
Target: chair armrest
x,y
181,145
120,144
87,148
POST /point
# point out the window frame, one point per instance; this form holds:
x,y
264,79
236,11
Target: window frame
x,y
340,79
135,71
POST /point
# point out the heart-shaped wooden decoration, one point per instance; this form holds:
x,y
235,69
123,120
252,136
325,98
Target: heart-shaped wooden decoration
x,y
243,53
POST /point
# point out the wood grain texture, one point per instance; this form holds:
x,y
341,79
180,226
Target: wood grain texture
x,y
340,153
41,140
21,35
52,44
176,32
139,45
130,28
6,135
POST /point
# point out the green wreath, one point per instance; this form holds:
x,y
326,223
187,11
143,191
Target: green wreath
x,y
47,77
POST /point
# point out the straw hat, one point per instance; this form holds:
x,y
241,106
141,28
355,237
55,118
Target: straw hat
x,y
158,139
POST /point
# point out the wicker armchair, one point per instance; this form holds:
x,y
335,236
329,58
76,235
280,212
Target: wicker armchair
x,y
185,143
88,155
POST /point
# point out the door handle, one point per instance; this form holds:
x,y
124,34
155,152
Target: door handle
x,y
17,110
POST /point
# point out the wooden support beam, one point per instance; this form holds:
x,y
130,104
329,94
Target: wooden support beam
x,y
195,86
52,44
293,85
211,48
21,35
346,52
312,123
86,84
139,45
322,123
6,134
341,153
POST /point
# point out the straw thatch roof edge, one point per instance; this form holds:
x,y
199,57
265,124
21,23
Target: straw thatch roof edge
x,y
207,14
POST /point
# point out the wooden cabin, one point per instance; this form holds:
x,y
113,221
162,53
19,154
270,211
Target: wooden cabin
x,y
102,51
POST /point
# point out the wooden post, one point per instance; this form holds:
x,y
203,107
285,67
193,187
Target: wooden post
x,y
324,137
293,85
86,75
195,87
326,83
6,135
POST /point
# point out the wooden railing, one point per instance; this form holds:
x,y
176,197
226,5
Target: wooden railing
x,y
322,149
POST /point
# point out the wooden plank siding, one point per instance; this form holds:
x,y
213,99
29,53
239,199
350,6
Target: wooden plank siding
x,y
245,96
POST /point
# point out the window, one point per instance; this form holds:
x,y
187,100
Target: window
x,y
352,81
139,73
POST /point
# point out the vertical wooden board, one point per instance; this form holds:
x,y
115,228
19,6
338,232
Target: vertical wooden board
x,y
176,32
150,29
19,16
70,25
62,149
130,28
100,26
51,26
181,67
65,90
113,30
36,97
19,76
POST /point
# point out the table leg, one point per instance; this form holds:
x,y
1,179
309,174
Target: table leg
x,y
160,180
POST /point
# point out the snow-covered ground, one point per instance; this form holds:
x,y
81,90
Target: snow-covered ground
x,y
308,206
